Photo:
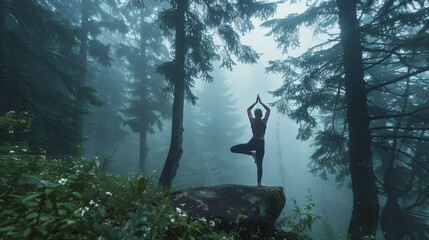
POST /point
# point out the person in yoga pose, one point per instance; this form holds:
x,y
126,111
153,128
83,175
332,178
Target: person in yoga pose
x,y
255,147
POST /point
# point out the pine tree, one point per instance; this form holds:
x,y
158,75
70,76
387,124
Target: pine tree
x,y
194,22
104,126
211,129
40,74
220,130
144,51
389,33
93,17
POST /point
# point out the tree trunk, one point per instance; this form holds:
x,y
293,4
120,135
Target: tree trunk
x,y
142,88
2,30
83,52
365,212
143,150
175,153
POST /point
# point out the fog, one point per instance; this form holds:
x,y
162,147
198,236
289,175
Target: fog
x,y
282,150
117,80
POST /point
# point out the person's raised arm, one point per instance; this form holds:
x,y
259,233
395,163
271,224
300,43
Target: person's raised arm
x,y
267,110
249,110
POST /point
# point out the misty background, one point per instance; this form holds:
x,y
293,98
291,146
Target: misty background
x,y
227,98
88,80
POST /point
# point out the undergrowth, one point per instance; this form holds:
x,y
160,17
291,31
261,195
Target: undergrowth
x,y
74,198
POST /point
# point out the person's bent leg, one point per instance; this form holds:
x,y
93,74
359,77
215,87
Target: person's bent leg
x,y
241,148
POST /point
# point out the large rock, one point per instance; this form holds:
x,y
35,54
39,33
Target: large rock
x,y
235,205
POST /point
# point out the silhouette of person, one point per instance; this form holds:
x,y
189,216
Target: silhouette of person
x,y
255,147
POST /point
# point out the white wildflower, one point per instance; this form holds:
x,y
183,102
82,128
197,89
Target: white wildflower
x,y
92,202
62,181
24,150
109,194
203,219
212,223
178,210
172,220
11,131
82,211
11,151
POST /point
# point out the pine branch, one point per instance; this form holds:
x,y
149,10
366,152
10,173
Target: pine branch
x,y
400,136
407,155
408,114
398,79
401,128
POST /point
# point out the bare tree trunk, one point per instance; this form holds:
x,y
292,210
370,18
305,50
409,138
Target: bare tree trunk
x,y
366,207
83,52
175,153
2,30
143,150
143,92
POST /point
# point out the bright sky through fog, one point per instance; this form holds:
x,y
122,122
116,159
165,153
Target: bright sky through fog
x,y
248,80
252,79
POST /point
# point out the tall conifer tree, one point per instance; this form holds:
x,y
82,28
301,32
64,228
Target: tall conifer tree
x,y
338,80
193,23
143,51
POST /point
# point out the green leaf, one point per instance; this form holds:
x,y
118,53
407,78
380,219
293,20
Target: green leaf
x,y
31,216
48,191
77,194
62,212
7,228
31,197
102,211
72,176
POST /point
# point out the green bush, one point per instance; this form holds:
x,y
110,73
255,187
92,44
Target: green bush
x,y
300,219
75,198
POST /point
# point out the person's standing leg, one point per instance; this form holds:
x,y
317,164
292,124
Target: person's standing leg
x,y
260,151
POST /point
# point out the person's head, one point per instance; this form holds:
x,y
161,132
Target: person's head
x,y
258,113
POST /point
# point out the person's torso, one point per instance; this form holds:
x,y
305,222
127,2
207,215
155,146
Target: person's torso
x,y
258,129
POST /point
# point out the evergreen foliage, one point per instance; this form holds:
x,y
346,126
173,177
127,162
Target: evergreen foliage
x,y
40,74
103,128
209,134
195,23
143,50
395,65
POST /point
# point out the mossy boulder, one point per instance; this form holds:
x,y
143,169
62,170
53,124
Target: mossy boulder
x,y
251,208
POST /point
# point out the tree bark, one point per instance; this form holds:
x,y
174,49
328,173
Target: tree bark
x,y
2,30
83,52
366,207
175,153
142,88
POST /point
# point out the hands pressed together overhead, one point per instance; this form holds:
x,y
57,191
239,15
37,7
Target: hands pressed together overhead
x,y
258,99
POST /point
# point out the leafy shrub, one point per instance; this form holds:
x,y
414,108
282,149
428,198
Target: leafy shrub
x,y
300,219
75,198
